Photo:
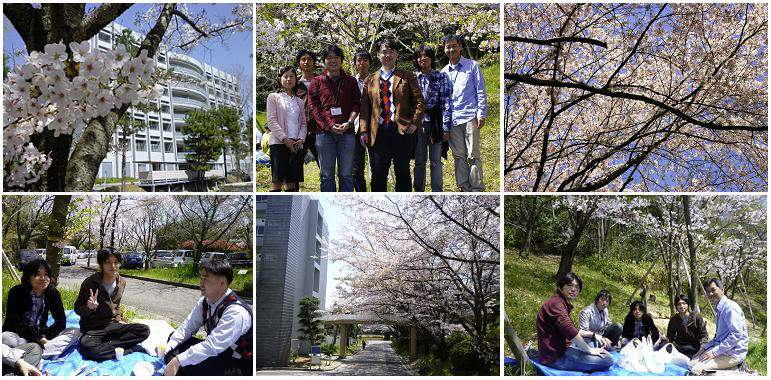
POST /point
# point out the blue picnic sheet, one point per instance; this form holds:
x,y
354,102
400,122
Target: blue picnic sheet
x,y
68,363
614,370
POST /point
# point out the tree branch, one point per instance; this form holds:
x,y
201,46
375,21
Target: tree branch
x,y
556,40
98,19
623,95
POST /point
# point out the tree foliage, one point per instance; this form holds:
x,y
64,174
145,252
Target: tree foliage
x,y
433,261
653,97
309,318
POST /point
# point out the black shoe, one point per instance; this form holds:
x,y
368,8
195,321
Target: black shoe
x,y
134,348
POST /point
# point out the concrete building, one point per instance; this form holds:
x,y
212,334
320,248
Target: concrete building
x,y
291,240
159,147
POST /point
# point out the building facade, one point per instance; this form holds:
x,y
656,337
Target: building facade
x,y
159,146
291,242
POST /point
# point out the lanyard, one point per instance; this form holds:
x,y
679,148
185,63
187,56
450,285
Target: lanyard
x,y
336,93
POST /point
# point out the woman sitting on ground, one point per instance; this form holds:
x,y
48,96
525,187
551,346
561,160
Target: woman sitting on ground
x,y
638,323
687,331
596,318
29,303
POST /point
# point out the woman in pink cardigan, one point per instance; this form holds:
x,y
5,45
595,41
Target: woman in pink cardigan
x,y
286,121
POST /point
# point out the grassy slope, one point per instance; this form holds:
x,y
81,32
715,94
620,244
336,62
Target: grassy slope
x,y
241,282
528,282
490,142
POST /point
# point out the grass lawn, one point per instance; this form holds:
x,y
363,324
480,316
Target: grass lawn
x,y
489,149
242,283
529,282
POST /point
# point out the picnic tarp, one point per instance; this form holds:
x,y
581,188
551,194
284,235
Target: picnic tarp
x,y
71,363
614,370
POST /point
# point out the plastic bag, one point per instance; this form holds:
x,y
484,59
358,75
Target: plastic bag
x,y
670,355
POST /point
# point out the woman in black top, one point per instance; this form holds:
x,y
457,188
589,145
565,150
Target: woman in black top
x,y
638,323
26,318
687,331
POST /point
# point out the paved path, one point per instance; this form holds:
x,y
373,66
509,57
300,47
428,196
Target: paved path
x,y
379,359
152,299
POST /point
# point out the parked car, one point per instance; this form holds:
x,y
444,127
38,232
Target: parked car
x,y
207,256
86,254
69,255
163,259
239,259
182,257
42,253
26,256
133,260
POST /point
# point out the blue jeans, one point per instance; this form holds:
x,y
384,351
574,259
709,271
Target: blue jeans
x,y
435,156
336,149
577,360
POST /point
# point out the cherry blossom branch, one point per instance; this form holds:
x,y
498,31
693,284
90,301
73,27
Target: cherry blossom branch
x,y
623,95
556,40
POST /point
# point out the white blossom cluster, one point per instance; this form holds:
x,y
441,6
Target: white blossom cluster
x,y
60,89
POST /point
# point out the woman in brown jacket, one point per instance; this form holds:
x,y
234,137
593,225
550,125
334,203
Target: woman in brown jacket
x,y
686,331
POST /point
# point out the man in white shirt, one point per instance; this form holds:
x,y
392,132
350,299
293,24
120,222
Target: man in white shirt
x,y
21,360
227,320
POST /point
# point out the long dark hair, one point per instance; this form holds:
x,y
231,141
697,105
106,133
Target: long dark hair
x,y
635,305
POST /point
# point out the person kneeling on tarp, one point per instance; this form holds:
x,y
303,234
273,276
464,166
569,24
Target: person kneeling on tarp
x,y
227,319
560,344
729,347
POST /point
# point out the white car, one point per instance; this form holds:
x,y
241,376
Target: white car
x,y
182,257
69,255
207,256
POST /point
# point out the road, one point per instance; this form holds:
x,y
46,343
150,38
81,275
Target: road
x,y
154,300
379,359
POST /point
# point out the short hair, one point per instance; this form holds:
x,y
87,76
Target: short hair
x,y
32,267
304,52
604,293
105,253
332,49
219,268
453,37
389,43
682,297
637,304
568,278
281,73
429,52
717,282
362,54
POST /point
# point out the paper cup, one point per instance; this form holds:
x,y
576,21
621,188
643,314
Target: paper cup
x,y
160,351
119,353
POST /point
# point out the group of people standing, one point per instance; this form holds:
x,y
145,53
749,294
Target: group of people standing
x,y
103,330
562,345
391,115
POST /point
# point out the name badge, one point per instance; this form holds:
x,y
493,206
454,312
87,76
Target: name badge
x,y
336,111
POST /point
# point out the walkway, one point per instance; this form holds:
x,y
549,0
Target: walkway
x,y
379,359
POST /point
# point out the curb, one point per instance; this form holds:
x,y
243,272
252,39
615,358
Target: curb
x,y
179,284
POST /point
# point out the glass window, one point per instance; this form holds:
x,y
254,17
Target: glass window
x,y
155,146
168,147
140,145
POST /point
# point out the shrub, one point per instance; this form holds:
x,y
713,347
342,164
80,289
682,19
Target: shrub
x,y
463,356
329,349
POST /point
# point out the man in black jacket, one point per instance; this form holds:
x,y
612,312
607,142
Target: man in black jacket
x,y
26,317
101,319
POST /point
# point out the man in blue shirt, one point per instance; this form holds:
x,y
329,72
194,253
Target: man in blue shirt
x,y
729,347
469,109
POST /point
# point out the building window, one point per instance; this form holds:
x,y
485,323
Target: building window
x,y
261,230
155,146
128,144
316,277
140,145
154,125
167,127
103,36
168,147
156,166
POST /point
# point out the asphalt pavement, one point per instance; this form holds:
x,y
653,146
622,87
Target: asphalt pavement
x,y
151,299
379,359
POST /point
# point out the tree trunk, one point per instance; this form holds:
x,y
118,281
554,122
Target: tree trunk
x,y
114,221
693,291
56,227
569,253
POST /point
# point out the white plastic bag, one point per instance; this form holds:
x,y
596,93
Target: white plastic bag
x,y
651,363
638,356
670,355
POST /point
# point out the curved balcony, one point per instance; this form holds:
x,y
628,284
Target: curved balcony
x,y
188,71
195,87
187,103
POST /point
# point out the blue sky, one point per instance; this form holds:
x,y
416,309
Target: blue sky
x,y
236,49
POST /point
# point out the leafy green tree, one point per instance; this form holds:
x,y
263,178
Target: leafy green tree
x,y
203,139
233,132
311,327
